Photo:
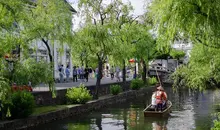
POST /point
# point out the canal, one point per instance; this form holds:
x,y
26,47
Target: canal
x,y
190,111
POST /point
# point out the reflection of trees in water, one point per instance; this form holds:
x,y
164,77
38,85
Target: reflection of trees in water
x,y
78,126
125,112
131,113
98,121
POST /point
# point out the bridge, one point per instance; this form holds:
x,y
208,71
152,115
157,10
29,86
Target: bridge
x,y
159,71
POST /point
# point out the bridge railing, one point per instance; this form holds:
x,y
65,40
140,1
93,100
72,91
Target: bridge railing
x,y
161,68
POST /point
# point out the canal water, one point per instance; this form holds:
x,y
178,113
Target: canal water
x,y
190,111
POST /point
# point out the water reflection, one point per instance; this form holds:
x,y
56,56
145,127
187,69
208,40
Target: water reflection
x,y
190,111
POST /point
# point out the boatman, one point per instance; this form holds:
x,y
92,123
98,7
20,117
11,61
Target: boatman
x,y
161,98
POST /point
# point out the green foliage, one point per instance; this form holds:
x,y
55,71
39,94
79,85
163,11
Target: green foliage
x,y
137,84
177,54
202,71
31,70
161,55
152,81
22,23
4,88
115,89
216,125
78,95
197,21
21,104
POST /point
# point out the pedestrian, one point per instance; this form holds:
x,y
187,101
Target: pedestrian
x,y
67,71
78,72
61,74
86,73
74,74
117,74
112,71
82,74
90,72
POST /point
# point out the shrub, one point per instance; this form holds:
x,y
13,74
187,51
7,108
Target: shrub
x,y
152,81
22,104
78,95
115,89
216,125
136,84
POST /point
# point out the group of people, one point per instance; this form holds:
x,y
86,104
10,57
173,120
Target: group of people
x,y
78,73
159,98
83,73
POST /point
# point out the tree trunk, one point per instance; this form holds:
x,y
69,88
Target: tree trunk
x,y
50,56
99,77
82,63
48,49
124,72
144,74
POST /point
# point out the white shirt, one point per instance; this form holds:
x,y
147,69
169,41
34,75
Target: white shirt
x,y
153,99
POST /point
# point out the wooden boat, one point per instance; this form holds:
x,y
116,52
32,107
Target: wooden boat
x,y
148,111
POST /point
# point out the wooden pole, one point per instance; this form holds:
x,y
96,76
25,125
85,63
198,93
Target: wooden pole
x,y
158,77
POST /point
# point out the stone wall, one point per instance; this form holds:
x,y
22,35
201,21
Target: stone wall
x,y
45,98
73,111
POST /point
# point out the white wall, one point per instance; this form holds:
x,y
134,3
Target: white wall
x,y
59,57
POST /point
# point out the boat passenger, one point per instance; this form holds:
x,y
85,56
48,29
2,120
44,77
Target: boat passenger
x,y
153,101
161,98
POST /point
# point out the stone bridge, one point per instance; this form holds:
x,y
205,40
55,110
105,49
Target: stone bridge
x,y
158,71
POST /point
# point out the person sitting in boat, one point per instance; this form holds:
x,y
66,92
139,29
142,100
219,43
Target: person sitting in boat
x,y
161,98
153,101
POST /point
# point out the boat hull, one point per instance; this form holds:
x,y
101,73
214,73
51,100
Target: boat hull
x,y
164,113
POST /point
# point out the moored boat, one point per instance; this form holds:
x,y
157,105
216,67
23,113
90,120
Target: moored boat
x,y
148,111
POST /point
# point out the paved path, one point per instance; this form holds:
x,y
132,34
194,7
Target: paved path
x,y
70,84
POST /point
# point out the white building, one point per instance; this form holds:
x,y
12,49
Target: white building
x,y
171,64
61,55
184,46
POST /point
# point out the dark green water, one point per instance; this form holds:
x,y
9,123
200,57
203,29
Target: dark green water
x,y
190,111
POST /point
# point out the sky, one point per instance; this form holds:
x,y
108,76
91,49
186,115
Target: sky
x,y
137,4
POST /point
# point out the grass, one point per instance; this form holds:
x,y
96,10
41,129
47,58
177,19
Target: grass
x,y
46,109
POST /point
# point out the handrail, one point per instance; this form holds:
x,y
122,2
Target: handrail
x,y
161,68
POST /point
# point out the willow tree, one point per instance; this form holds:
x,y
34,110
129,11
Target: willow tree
x,y
196,21
12,13
49,21
145,47
98,21
202,71
121,29
23,21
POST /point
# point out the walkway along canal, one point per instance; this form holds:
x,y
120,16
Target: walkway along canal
x,y
190,111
